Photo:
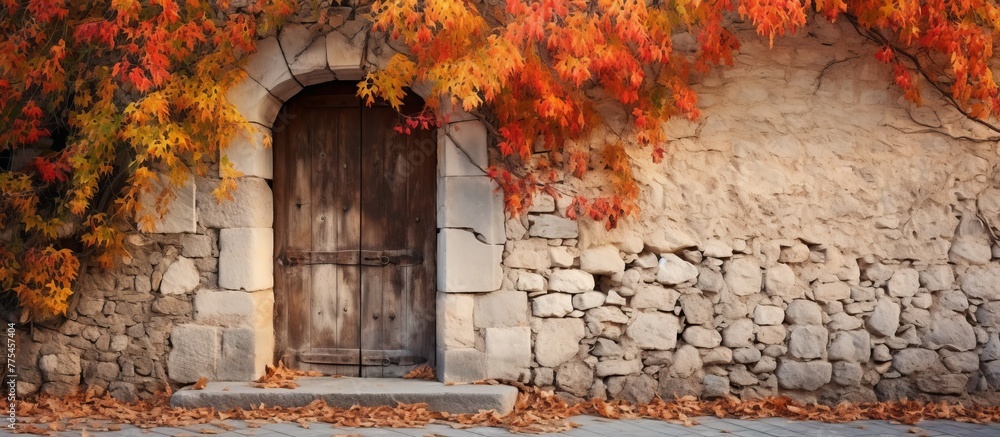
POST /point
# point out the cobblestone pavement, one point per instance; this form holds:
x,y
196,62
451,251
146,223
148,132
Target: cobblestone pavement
x,y
594,426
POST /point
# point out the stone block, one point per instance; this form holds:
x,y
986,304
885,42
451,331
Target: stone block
x,y
508,351
472,202
904,283
980,281
196,245
254,101
603,260
673,270
847,374
237,345
808,341
654,330
771,334
267,67
557,340
743,276
618,367
950,330
467,264
305,54
571,281
247,153
739,333
59,364
344,55
530,282
831,292
779,281
804,312
194,353
552,305
252,205
527,258
702,337
501,309
551,226
884,319
230,308
795,375
852,346
181,277
575,377
768,315
246,258
686,361
587,300
345,393
697,309
455,329
461,365
180,215
654,296
464,152
913,360
561,257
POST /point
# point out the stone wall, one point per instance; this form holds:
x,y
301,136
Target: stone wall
x,y
812,234
161,317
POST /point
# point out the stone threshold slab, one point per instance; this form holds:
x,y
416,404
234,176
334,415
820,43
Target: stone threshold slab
x,y
347,392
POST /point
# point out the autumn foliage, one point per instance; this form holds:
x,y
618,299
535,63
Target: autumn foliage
x,y
99,100
104,102
535,69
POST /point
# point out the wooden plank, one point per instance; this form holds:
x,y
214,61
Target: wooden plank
x,y
419,326
375,232
293,152
349,230
280,191
399,209
335,228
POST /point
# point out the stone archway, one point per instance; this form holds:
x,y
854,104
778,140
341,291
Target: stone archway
x,y
470,220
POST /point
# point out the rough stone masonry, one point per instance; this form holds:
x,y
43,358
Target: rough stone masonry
x,y
811,235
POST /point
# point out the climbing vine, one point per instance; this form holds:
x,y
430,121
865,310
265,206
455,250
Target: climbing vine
x,y
537,69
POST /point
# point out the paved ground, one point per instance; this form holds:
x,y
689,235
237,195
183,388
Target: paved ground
x,y
596,426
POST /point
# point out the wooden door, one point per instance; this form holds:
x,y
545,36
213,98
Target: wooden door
x,y
354,236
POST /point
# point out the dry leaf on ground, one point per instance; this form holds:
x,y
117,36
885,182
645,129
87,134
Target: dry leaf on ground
x,y
201,384
422,371
280,376
535,411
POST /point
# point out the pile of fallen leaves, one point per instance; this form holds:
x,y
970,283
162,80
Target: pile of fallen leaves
x,y
535,411
422,371
280,377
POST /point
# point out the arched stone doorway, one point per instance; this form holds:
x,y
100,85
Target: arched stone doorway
x,y
469,212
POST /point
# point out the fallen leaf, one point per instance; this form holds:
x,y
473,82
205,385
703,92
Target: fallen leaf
x,y
422,371
201,384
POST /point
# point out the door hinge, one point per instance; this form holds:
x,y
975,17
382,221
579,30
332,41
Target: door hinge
x,y
401,257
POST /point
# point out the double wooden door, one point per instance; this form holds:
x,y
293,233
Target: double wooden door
x,y
354,236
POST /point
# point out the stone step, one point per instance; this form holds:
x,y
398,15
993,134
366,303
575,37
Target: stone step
x,y
347,392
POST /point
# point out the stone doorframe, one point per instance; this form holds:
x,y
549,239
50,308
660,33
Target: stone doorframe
x,y
470,218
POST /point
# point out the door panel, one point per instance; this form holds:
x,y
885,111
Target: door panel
x,y
336,150
348,188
